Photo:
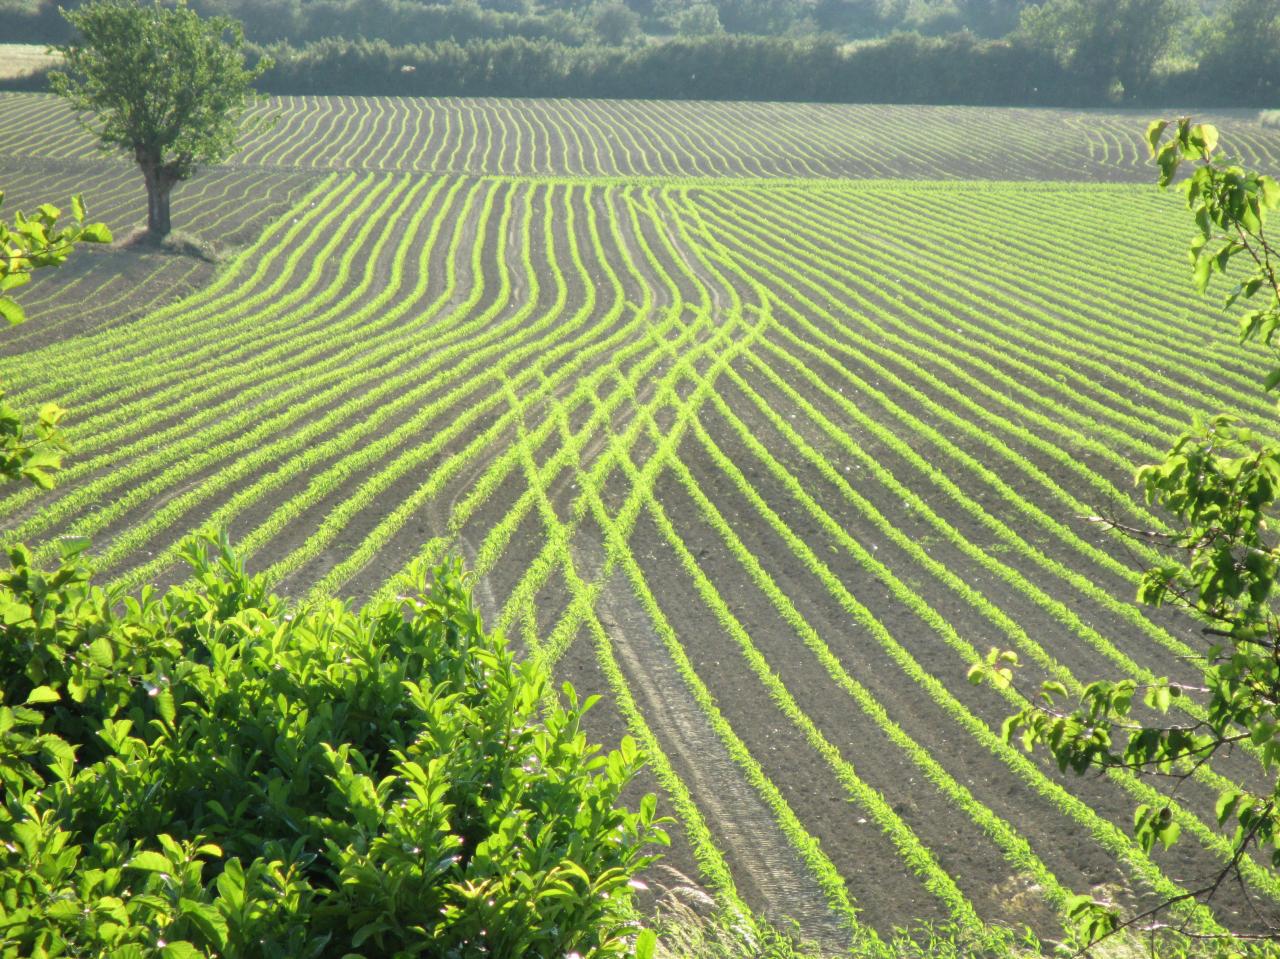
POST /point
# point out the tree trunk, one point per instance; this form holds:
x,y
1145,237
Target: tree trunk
x,y
159,186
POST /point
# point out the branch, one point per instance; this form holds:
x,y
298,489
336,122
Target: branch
x,y
1208,891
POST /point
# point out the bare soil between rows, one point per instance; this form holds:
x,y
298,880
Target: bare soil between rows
x,y
818,786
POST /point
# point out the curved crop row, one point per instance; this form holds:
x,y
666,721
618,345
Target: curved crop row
x,y
643,138
785,454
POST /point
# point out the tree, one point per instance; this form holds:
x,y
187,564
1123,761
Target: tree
x,y
1220,482
762,17
697,20
615,23
159,84
990,18
1240,51
1106,42
859,19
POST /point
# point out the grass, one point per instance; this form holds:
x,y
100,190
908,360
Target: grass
x,y
23,59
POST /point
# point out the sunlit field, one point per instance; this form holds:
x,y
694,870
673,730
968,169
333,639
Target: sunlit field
x,y
764,421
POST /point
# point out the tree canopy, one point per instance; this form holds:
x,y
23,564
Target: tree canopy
x,y
159,84
1111,41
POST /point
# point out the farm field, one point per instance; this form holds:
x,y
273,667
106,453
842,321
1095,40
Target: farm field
x,y
23,59
762,420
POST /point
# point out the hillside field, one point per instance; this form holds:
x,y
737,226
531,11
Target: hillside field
x,y
764,421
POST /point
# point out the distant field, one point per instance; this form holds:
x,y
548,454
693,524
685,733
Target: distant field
x,y
739,421
22,59
629,138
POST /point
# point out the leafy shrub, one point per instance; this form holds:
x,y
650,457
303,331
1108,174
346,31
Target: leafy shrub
x,y
209,772
41,240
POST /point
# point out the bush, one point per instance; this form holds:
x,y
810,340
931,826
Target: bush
x,y
209,772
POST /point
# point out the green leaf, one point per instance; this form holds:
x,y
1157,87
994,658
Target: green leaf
x,y
1270,191
1161,698
1226,804
1053,688
646,944
11,312
64,910
11,281
101,652
1078,905
164,705
150,861
96,233
1168,159
181,950
1169,834
51,414
1155,130
59,751
77,208
231,883
39,477
205,918
1207,135
72,546
43,694
1200,275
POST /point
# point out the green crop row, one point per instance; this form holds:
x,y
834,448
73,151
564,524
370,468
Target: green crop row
x,y
581,383
640,138
882,574
209,417
989,437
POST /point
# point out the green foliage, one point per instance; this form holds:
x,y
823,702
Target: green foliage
x,y
1230,205
157,81
1226,54
159,84
1240,47
209,772
1108,43
1220,482
697,20
614,22
38,241
30,243
904,68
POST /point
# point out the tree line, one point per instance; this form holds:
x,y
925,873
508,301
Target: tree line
x,y
903,69
574,22
1061,53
